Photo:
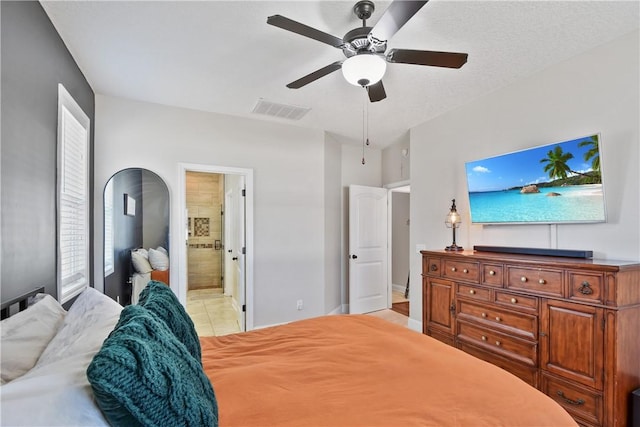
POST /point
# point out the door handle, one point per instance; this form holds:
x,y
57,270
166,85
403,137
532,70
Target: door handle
x,y
235,258
354,256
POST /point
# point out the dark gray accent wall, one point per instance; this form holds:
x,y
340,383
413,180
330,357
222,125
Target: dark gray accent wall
x,y
34,60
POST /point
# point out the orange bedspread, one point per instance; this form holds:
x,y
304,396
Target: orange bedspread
x,y
357,370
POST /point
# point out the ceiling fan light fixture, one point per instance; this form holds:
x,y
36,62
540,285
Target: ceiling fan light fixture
x,y
364,69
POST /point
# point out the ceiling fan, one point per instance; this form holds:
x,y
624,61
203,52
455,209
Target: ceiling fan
x,y
365,47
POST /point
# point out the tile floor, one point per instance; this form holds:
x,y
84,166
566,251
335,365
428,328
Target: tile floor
x,y
213,314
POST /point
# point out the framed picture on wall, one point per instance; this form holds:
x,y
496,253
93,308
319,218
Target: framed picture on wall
x,y
129,205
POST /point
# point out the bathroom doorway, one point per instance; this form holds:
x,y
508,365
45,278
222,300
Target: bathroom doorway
x,y
215,257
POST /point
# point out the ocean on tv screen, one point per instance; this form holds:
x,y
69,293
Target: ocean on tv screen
x,y
579,203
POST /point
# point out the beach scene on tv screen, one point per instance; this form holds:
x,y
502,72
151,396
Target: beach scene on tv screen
x,y
554,183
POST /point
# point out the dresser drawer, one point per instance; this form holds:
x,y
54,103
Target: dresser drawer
x,y
461,270
538,280
580,403
432,266
512,323
517,302
492,275
526,373
505,345
473,292
586,287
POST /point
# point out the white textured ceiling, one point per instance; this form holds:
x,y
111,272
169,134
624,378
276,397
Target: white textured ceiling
x,y
221,56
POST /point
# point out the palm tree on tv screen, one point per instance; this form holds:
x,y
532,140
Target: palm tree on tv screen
x,y
593,153
556,163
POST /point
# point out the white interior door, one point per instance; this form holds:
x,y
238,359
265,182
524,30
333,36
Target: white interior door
x,y
368,246
235,255
241,250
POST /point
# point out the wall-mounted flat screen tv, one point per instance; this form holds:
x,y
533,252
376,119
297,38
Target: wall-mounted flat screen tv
x,y
549,184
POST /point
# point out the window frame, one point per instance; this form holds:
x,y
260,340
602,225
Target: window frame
x,y
66,104
109,229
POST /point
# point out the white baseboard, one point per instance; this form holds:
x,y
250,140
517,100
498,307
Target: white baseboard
x,y
415,325
338,310
399,288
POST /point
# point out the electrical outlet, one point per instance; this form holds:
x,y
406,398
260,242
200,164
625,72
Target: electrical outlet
x,y
299,304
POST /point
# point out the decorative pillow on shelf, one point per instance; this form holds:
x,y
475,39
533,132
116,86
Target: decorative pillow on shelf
x,y
140,261
26,334
162,302
158,260
143,376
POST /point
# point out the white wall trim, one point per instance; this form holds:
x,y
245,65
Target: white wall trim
x,y
414,325
338,310
397,184
180,239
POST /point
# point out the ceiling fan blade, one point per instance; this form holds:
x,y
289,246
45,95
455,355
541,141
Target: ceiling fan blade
x,y
427,57
315,75
304,30
396,15
376,92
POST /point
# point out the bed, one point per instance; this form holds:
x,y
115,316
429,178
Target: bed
x,y
131,366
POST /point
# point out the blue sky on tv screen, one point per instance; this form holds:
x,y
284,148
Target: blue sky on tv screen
x,y
522,167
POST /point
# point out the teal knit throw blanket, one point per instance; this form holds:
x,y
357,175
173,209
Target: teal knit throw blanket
x,y
160,299
143,376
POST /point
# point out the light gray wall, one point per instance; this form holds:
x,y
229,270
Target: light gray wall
x,y
597,91
34,60
396,166
332,225
289,189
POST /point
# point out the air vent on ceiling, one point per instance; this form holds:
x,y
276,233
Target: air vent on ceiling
x,y
268,108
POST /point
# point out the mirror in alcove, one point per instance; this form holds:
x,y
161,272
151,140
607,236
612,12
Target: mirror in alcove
x,y
136,233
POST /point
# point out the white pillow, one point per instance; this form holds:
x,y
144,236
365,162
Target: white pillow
x,y
56,391
88,323
158,260
140,262
26,334
163,250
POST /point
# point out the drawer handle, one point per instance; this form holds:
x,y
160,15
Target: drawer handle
x,y
523,279
542,281
492,273
484,338
434,267
514,301
498,319
585,288
498,343
453,269
569,401
484,315
465,271
472,292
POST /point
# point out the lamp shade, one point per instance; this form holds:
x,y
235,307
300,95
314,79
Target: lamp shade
x,y
364,69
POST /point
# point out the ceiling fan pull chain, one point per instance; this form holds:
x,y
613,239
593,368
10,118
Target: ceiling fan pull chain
x,y
364,106
367,113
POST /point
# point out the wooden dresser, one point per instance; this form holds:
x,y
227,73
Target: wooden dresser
x,y
569,327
